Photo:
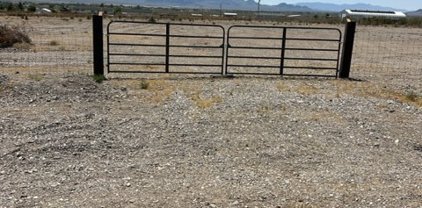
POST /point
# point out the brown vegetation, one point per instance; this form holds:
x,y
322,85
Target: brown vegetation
x,y
9,36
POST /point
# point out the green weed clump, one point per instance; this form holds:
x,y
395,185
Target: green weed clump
x,y
144,84
99,78
411,96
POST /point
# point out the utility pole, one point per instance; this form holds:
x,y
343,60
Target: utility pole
x,y
259,7
221,8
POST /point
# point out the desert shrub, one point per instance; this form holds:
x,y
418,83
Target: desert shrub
x,y
152,20
411,96
53,43
22,46
10,36
144,84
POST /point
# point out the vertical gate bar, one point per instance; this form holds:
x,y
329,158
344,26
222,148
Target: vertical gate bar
x,y
222,53
167,46
283,47
346,59
97,27
108,47
338,54
227,49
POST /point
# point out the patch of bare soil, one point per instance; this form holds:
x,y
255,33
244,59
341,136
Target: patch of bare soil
x,y
207,142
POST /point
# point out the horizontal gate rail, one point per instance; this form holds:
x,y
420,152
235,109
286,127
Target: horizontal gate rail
x,y
271,38
166,61
283,50
161,55
164,35
291,49
159,64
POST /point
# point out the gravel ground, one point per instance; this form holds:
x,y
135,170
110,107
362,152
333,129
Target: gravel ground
x,y
67,141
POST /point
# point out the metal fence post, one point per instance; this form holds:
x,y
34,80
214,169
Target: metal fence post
x,y
97,27
283,51
346,58
167,46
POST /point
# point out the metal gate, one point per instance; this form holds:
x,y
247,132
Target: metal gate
x,y
287,51
146,47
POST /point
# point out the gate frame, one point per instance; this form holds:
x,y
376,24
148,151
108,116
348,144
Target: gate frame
x,y
283,49
345,65
167,46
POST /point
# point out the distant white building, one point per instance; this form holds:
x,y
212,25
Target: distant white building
x,y
45,11
294,15
353,13
229,14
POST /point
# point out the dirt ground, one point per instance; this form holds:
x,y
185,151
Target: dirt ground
x,y
202,141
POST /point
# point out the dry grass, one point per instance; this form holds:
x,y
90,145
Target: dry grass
x,y
9,36
151,91
161,90
362,89
204,103
368,89
283,87
36,77
303,88
307,89
23,46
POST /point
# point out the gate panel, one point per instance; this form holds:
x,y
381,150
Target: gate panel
x,y
144,47
289,51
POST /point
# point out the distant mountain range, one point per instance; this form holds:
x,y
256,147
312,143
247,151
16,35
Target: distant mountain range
x,y
225,4
339,7
250,5
199,4
415,13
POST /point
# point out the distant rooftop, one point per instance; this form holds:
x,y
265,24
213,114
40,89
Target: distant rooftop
x,y
369,13
375,12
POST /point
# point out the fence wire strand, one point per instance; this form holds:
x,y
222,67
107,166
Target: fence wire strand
x,y
387,52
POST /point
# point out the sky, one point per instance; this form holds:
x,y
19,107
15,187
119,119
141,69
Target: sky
x,y
399,4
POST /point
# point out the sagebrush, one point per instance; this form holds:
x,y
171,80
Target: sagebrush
x,y
10,36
